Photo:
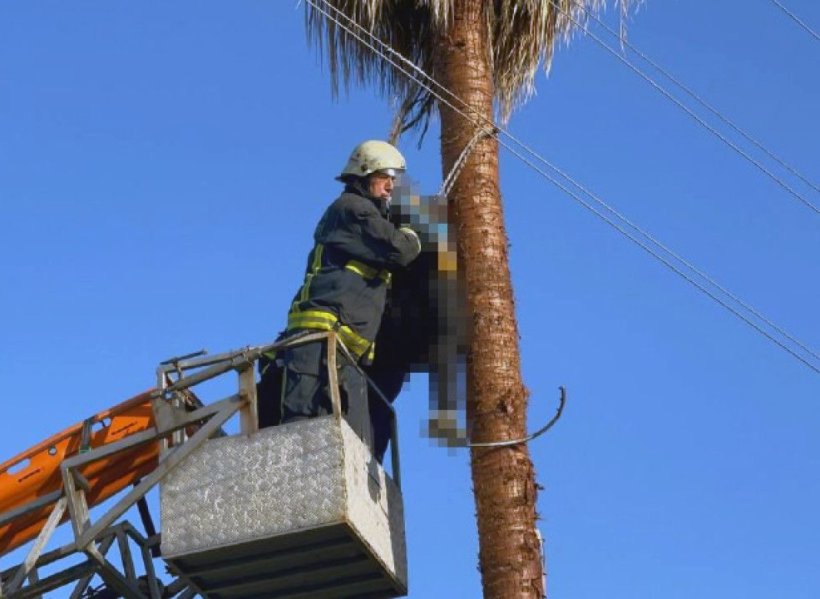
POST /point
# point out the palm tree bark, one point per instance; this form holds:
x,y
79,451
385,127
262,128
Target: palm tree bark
x,y
503,478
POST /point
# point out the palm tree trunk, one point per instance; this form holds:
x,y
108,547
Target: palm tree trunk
x,y
503,478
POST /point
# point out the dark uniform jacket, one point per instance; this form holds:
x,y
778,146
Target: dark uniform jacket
x,y
348,270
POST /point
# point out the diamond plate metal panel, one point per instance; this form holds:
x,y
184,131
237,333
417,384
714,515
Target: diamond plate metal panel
x,y
374,505
283,485
236,489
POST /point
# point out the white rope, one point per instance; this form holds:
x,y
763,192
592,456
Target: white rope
x,y
458,166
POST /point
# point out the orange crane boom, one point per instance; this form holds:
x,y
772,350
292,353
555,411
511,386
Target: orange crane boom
x,y
31,482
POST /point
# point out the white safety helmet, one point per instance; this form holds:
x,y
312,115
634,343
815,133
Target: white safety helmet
x,y
372,156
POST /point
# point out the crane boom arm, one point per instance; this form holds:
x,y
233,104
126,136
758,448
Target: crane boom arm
x,y
31,482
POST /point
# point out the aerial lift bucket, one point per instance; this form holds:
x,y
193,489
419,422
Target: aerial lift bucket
x,y
293,511
298,510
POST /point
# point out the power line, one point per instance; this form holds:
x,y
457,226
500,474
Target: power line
x,y
664,261
702,102
672,253
563,188
694,115
797,20
651,81
566,190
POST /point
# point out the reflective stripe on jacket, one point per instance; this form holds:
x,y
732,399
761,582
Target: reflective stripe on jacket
x,y
348,271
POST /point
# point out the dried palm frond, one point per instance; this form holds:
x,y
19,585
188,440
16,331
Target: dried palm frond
x,y
523,34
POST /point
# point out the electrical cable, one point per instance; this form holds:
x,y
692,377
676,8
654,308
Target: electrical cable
x,y
694,115
796,19
573,195
625,61
665,262
561,403
561,172
563,188
701,101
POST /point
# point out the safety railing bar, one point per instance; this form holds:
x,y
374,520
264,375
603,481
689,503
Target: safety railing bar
x,y
394,427
394,449
370,382
189,364
238,359
333,375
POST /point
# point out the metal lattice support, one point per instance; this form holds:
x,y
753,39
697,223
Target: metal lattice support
x,y
181,424
127,584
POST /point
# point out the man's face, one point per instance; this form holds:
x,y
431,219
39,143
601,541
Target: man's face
x,y
381,185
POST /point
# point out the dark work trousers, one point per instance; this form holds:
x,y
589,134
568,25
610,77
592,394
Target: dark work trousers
x,y
305,387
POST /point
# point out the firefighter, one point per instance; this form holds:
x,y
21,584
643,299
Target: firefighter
x,y
346,280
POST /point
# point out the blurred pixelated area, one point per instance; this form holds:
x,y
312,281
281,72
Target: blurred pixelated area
x,y
423,329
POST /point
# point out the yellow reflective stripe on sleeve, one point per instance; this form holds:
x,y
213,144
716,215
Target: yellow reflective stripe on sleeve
x,y
361,269
368,272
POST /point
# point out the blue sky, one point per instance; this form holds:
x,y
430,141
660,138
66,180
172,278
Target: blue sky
x,y
162,167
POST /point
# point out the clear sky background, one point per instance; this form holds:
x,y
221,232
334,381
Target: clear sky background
x,y
163,165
